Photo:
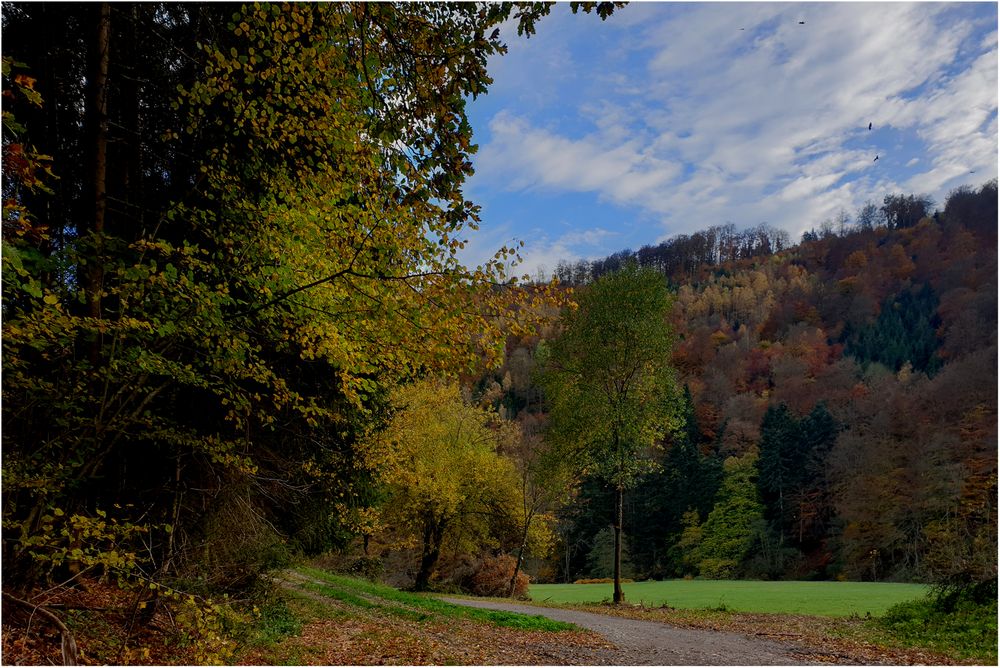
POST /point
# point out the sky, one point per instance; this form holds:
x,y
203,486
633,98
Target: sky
x,y
668,118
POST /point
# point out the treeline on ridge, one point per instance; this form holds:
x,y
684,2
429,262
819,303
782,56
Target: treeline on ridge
x,y
681,256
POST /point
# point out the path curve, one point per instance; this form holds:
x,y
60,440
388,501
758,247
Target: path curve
x,y
654,643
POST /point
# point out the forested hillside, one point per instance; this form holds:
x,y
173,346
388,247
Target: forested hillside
x,y
839,404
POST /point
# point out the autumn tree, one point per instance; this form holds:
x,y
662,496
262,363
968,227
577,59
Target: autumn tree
x,y
253,237
900,211
445,479
545,479
609,383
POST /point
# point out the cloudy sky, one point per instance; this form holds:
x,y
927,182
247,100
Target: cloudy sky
x,y
671,117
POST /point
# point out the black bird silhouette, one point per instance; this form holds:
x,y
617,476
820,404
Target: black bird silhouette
x,y
876,158
802,23
869,126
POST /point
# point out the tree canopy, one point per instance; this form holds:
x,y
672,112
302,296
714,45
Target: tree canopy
x,y
231,231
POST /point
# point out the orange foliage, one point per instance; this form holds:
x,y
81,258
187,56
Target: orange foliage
x,y
492,577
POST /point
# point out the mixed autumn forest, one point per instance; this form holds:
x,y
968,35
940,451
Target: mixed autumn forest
x,y
839,415
237,333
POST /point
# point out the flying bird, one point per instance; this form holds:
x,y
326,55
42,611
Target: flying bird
x,y
802,23
876,158
869,126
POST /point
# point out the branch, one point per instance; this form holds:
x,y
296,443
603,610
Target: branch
x,y
69,651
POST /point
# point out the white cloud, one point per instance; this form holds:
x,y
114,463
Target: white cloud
x,y
689,120
526,157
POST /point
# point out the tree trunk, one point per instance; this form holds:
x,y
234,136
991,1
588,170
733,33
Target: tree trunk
x,y
520,557
619,499
433,533
95,268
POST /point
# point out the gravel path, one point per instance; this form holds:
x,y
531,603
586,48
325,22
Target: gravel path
x,y
652,643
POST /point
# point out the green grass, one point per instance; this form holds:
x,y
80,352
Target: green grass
x,y
829,599
276,622
966,629
418,607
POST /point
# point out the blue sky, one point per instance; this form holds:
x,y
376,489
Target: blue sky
x,y
671,117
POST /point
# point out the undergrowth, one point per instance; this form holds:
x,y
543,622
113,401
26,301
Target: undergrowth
x,y
276,622
959,624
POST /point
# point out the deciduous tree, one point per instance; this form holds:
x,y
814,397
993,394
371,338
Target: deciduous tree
x,y
609,382
438,458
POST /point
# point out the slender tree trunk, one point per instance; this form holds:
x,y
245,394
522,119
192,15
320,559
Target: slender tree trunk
x,y
619,499
168,565
520,556
568,558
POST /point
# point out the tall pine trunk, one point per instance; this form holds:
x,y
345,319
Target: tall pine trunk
x,y
95,269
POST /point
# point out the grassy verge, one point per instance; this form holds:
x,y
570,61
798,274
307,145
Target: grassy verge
x,y
830,599
420,606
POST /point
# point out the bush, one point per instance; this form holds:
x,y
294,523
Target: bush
x,y
718,569
596,581
369,568
961,623
276,622
492,577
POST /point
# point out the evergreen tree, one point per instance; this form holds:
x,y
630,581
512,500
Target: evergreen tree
x,y
729,530
782,459
686,480
905,331
814,509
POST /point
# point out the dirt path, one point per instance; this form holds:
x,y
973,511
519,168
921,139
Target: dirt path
x,y
652,643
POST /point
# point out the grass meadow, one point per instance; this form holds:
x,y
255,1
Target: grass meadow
x,y
828,599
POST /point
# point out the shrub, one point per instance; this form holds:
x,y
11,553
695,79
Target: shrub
x,y
718,569
595,581
961,623
492,577
369,568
